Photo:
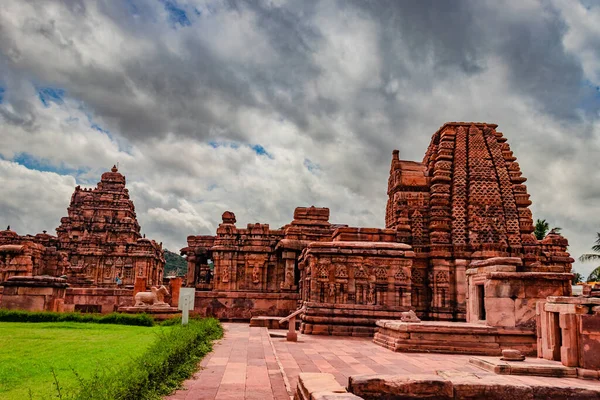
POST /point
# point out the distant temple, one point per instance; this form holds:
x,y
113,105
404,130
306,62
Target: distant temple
x,y
99,240
465,202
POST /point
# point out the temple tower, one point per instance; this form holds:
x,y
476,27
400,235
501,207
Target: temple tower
x,y
465,201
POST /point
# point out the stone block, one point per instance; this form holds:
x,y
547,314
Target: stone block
x,y
538,290
587,373
417,386
508,288
500,311
488,388
564,308
311,383
589,349
545,392
525,310
590,324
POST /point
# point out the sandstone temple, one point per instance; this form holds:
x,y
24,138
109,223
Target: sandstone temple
x,y
457,269
98,241
462,206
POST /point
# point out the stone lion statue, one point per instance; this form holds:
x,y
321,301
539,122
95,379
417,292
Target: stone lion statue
x,y
155,297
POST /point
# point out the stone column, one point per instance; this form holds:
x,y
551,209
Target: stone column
x,y
175,286
461,287
140,285
290,263
569,350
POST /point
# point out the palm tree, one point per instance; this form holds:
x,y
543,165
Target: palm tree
x,y
542,227
595,256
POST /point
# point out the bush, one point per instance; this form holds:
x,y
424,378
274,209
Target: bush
x,y
45,316
173,358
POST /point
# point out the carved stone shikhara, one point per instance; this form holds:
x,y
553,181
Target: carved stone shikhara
x,y
97,242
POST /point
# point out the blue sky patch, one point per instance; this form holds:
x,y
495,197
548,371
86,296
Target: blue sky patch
x,y
177,15
311,166
100,129
2,90
258,149
49,95
216,144
39,164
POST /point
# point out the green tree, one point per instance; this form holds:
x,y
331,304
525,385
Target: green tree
x,y
577,277
591,257
175,264
542,227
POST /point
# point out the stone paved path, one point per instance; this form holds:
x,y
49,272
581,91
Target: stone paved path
x,y
244,366
241,366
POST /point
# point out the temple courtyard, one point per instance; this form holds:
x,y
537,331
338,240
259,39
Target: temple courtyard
x,y
258,363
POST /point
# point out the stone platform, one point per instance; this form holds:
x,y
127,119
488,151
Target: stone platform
x,y
344,319
158,313
529,366
243,306
453,337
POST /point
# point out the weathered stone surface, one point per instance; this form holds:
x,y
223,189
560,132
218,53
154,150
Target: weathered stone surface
x,y
417,386
453,337
320,386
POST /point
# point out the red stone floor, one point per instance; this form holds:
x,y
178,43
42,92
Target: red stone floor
x,y
243,365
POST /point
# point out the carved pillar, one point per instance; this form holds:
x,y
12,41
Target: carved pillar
x,y
290,263
460,291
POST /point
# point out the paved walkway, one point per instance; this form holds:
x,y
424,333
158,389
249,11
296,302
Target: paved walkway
x,y
244,366
241,366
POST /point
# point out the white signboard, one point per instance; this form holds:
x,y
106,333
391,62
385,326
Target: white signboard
x,y
186,303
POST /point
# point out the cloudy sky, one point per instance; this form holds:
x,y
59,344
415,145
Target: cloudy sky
x,y
261,106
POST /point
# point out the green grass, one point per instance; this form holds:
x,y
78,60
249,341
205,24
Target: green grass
x,y
29,352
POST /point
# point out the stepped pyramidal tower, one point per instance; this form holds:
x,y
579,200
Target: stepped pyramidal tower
x,y
102,235
98,241
465,201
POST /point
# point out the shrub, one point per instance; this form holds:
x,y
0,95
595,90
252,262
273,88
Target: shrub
x,y
173,358
45,316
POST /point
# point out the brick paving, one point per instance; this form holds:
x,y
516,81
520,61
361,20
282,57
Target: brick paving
x,y
241,366
244,366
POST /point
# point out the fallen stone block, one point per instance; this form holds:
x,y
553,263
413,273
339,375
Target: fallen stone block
x,y
418,386
321,386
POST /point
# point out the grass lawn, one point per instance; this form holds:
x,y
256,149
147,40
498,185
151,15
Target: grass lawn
x,y
29,352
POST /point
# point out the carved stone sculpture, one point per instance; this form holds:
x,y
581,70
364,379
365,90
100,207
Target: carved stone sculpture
x,y
154,298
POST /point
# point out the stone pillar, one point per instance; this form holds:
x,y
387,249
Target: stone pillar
x,y
461,288
191,272
569,352
140,285
391,292
290,263
174,288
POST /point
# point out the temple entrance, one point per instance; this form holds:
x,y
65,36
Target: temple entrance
x,y
481,302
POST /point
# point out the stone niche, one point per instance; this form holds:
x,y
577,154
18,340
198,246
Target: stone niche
x,y
34,293
501,294
568,330
346,286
